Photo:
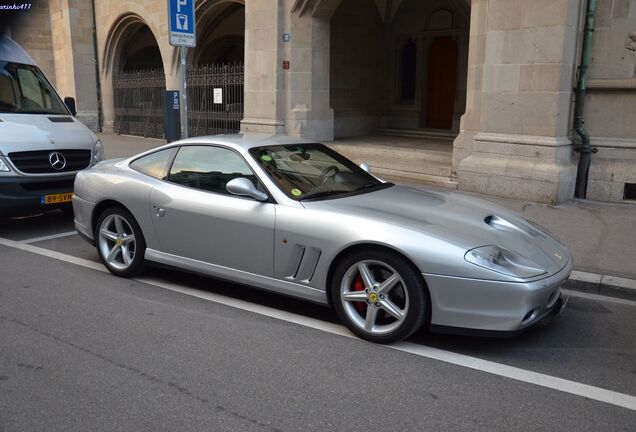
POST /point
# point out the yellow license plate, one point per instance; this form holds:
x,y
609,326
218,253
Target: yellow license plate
x,y
57,198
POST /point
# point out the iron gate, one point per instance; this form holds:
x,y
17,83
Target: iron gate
x,y
215,104
215,100
138,106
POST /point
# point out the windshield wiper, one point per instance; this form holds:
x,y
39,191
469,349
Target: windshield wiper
x,y
322,194
369,185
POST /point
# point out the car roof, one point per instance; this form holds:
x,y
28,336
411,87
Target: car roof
x,y
246,141
10,51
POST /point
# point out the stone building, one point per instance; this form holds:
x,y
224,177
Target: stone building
x,y
493,79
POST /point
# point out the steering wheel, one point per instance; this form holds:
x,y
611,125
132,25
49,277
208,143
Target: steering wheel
x,y
327,173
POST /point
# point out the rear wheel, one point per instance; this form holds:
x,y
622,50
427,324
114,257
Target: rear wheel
x,y
379,296
120,243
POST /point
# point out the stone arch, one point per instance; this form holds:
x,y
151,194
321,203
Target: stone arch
x,y
122,28
132,43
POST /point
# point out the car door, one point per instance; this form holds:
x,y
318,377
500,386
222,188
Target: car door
x,y
195,217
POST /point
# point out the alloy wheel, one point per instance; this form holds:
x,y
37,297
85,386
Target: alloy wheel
x,y
117,242
374,297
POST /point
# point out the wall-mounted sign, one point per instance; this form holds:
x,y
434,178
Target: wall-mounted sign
x,y
286,37
285,64
218,95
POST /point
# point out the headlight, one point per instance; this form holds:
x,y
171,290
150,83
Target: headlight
x,y
98,152
503,261
3,166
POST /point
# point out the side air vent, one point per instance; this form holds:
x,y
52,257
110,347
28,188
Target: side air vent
x,y
62,119
308,265
302,263
294,261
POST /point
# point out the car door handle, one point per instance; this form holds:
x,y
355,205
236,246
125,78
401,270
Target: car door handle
x,y
160,212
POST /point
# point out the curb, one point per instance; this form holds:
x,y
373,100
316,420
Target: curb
x,y
605,285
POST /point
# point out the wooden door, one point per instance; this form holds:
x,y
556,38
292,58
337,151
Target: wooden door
x,y
442,83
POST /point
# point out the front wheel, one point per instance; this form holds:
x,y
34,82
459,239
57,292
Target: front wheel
x,y
120,242
379,296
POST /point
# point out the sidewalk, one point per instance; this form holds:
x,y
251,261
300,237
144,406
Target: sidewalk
x,y
601,236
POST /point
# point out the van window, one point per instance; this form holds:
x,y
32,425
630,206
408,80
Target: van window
x,y
25,90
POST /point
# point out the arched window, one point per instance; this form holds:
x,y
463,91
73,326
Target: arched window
x,y
408,67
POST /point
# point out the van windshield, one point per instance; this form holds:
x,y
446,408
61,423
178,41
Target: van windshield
x,y
25,90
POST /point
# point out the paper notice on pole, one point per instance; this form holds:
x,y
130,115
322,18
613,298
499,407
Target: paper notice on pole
x,y
218,95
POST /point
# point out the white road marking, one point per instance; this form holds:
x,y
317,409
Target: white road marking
x,y
53,254
49,237
499,369
599,297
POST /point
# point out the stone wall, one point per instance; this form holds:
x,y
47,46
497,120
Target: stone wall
x,y
38,43
611,100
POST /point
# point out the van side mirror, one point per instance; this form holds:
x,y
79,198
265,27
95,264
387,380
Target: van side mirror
x,y
70,104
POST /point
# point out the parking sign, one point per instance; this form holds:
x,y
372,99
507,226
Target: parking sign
x,y
181,23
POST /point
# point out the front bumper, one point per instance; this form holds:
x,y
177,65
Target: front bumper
x,y
23,195
83,211
493,306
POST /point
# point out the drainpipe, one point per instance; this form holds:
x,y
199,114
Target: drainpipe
x,y
97,77
585,149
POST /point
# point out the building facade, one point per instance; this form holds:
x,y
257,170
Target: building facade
x,y
496,76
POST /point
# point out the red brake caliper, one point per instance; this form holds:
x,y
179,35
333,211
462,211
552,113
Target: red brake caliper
x,y
358,285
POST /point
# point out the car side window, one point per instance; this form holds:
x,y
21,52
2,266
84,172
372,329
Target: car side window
x,y
155,164
208,168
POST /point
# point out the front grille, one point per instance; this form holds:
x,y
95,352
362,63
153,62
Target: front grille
x,y
37,162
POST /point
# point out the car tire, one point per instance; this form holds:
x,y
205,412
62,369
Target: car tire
x,y
379,295
120,242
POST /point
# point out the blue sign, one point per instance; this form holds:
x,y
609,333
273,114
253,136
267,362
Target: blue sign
x,y
181,23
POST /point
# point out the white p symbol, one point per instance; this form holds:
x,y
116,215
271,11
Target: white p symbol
x,y
181,3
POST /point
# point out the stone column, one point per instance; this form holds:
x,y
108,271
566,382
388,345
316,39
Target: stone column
x,y
309,114
263,104
514,135
74,56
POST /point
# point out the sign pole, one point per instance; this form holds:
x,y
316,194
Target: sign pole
x,y
184,78
182,34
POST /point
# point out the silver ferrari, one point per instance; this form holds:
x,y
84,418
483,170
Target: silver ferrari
x,y
296,218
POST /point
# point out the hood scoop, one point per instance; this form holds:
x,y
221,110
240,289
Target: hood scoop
x,y
502,224
62,119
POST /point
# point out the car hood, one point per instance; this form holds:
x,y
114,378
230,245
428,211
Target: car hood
x,y
454,217
27,132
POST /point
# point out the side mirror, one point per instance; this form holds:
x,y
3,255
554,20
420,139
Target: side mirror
x,y
365,166
70,104
244,187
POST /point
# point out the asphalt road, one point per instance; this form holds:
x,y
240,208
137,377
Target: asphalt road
x,y
83,350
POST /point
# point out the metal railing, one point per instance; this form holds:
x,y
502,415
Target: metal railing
x,y
215,99
138,102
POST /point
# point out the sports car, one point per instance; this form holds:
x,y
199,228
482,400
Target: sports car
x,y
295,217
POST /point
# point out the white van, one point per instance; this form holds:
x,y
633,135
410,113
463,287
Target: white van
x,y
42,145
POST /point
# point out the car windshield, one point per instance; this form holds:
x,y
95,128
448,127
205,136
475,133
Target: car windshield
x,y
25,90
313,171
